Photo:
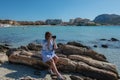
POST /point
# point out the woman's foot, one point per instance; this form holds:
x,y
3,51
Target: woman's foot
x,y
51,71
61,77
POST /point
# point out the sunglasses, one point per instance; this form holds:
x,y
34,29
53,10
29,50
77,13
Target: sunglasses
x,y
49,36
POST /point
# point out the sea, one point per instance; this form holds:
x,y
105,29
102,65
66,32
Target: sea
x,y
16,36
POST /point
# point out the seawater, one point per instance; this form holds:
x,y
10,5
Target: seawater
x,y
88,35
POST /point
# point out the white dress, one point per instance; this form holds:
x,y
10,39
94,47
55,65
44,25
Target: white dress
x,y
47,54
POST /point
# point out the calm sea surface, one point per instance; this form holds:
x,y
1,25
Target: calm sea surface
x,y
88,35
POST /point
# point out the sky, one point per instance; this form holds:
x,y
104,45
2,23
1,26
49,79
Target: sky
x,y
33,10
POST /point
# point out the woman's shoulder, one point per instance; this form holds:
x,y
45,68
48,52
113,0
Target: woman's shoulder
x,y
43,41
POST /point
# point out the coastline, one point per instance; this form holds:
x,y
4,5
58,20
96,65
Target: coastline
x,y
9,70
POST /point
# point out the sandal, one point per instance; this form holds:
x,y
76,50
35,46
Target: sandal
x,y
53,76
50,72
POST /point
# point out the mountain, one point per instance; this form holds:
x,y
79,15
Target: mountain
x,y
108,19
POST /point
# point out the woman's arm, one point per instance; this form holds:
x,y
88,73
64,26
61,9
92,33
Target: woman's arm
x,y
54,44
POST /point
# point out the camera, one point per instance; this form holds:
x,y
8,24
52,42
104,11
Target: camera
x,y
54,37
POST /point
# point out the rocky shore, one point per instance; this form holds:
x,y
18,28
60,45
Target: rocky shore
x,y
77,60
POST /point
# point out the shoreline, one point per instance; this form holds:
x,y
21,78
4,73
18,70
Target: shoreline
x,y
71,46
13,26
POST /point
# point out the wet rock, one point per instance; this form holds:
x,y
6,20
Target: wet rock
x,y
114,39
7,44
95,46
104,46
3,48
78,44
103,39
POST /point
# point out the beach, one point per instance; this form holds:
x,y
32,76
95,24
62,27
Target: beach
x,y
15,72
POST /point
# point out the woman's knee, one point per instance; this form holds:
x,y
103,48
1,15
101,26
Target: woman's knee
x,y
51,60
56,58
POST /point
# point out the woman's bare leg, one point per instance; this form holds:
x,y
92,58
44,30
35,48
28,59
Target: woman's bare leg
x,y
54,68
55,58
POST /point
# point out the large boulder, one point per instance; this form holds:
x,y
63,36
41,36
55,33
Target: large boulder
x,y
104,46
69,50
114,39
99,74
94,63
27,58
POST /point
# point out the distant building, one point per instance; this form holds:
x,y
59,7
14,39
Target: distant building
x,y
53,21
71,21
80,22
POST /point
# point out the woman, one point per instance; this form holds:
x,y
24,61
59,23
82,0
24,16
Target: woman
x,y
48,53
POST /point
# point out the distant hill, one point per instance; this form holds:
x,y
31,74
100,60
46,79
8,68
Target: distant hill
x,y
108,19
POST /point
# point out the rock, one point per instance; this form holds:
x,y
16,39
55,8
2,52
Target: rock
x,y
94,63
78,44
7,44
60,44
73,77
69,50
61,55
95,46
35,47
87,63
104,46
3,58
103,39
114,39
26,53
24,48
10,51
92,72
66,65
76,78
31,60
3,48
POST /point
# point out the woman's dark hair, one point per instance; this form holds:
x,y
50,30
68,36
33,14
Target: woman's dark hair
x,y
46,34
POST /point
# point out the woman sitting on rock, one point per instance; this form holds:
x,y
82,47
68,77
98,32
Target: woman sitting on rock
x,y
48,54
